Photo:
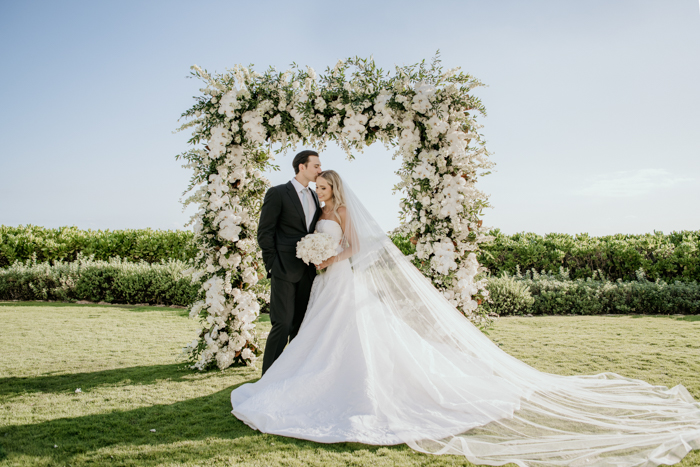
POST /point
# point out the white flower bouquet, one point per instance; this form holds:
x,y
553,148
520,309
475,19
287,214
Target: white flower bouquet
x,y
316,248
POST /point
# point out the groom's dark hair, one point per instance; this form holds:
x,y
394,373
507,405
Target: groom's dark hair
x,y
302,158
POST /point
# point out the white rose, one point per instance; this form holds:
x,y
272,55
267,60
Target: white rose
x,y
220,138
276,120
229,104
250,276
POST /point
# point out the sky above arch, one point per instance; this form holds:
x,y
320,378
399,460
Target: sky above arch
x,y
593,107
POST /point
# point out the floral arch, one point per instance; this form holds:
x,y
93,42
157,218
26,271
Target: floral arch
x,y
425,114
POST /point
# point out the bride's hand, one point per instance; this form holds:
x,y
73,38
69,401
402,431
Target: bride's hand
x,y
325,264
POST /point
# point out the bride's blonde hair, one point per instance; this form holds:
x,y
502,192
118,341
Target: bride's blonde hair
x,y
336,183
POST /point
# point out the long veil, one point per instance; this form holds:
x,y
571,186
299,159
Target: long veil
x,y
445,388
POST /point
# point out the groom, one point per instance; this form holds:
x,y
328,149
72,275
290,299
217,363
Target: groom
x,y
289,212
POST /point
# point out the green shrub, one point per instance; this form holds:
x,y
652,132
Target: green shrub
x,y
509,296
404,244
561,296
113,281
671,257
24,243
557,294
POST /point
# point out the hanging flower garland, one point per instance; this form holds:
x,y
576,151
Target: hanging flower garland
x,y
426,114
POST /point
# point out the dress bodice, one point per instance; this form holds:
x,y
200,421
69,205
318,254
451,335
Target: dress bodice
x,y
331,228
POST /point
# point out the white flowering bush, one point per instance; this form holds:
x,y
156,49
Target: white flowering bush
x,y
316,248
426,114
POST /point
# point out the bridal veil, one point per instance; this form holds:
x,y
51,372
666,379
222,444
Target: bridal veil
x,y
479,402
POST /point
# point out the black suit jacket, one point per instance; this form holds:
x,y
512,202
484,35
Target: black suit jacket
x,y
282,224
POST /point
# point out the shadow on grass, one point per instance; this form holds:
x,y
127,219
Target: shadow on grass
x,y
205,418
674,317
192,419
85,381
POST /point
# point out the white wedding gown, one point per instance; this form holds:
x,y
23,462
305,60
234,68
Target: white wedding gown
x,y
382,358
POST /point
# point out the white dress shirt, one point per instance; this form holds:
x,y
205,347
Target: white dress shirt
x,y
310,206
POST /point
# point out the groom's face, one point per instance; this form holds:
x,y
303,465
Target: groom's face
x,y
312,168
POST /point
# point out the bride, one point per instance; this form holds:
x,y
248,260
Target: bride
x,y
382,358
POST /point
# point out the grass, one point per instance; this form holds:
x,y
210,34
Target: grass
x,y
125,361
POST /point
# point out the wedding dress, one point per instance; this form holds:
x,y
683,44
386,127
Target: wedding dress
x,y
382,358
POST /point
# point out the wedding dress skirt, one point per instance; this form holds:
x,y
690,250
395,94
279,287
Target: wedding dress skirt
x,y
382,358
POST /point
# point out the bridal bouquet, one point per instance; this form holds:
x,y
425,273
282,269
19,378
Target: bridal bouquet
x,y
316,248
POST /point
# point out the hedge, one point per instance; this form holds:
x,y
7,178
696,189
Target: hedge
x,y
557,294
29,242
671,257
113,281
119,281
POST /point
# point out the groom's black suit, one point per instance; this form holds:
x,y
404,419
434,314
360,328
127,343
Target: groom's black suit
x,y
282,224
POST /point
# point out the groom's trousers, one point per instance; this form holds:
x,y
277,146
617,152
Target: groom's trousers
x,y
288,302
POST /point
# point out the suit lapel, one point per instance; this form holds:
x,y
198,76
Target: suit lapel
x,y
294,196
316,202
317,214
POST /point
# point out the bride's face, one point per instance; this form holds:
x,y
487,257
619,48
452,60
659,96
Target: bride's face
x,y
323,190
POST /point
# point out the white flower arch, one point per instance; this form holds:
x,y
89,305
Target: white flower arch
x,y
426,114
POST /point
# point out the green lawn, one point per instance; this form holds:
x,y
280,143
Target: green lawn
x,y
125,361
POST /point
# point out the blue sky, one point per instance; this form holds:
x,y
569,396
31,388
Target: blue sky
x,y
593,107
